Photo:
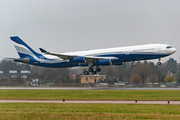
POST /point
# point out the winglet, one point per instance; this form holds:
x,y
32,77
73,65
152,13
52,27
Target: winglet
x,y
42,50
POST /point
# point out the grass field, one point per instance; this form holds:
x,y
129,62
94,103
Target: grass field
x,y
90,94
52,111
45,111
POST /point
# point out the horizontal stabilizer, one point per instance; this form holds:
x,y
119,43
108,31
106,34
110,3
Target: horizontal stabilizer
x,y
25,60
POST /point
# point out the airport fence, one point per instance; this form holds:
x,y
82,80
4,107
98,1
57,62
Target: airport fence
x,y
88,85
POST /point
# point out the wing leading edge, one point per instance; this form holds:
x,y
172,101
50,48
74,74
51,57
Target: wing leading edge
x,y
67,57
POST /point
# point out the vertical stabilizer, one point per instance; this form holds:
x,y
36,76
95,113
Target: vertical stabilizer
x,y
22,48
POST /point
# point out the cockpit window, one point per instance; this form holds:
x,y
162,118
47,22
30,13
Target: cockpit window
x,y
168,47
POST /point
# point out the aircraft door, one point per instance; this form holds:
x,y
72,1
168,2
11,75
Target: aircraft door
x,y
159,49
42,59
127,52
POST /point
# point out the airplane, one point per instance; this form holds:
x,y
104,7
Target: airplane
x,y
91,58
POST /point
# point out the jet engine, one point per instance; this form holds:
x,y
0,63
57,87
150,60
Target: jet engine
x,y
104,62
77,60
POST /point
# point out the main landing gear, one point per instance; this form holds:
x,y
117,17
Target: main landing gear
x,y
92,70
159,63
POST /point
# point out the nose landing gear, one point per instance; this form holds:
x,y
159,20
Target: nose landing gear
x,y
159,63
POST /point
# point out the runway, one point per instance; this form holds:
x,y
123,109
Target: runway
x,y
87,88
91,102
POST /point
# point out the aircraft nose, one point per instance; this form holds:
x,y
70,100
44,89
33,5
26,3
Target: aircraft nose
x,y
174,50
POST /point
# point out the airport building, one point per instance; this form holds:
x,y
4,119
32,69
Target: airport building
x,y
15,73
92,78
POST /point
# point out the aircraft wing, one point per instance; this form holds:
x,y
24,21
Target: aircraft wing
x,y
100,58
63,56
66,57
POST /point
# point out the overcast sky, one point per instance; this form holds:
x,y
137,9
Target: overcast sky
x,y
74,25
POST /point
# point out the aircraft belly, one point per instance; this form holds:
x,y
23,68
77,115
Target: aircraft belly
x,y
135,57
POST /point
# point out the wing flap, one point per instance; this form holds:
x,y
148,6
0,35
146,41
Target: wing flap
x,y
100,58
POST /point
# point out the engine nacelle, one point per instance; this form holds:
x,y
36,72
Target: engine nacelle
x,y
104,62
77,60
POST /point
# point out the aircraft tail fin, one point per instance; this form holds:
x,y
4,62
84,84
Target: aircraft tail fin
x,y
22,48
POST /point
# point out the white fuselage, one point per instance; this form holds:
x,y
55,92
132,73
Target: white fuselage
x,y
148,49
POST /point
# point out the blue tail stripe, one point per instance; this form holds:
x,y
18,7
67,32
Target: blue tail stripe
x,y
22,55
19,41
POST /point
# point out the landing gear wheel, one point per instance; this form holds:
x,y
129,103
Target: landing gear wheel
x,y
90,69
86,73
98,69
94,72
159,63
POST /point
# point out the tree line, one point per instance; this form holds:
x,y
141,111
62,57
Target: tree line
x,y
147,72
42,74
131,72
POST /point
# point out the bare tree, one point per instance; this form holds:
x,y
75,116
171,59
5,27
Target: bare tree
x,y
49,74
153,78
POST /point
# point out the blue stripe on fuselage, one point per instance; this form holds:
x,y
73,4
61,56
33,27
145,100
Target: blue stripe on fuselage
x,y
134,57
122,58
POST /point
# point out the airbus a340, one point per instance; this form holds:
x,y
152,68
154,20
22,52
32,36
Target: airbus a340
x,y
91,58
